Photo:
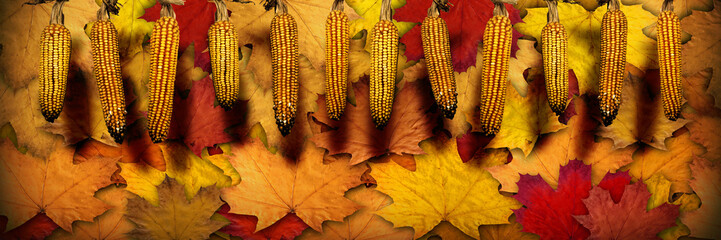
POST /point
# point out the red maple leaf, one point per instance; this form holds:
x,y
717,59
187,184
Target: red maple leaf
x,y
194,19
626,218
243,226
199,122
38,227
466,22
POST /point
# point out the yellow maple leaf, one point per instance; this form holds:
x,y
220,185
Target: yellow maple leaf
x,y
369,11
110,225
363,224
132,30
62,190
175,217
584,29
442,188
523,5
704,49
191,171
703,222
274,185
682,8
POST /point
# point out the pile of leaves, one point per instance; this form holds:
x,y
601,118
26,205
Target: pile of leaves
x,y
231,174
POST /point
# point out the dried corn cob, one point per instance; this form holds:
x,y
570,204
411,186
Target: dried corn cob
x,y
224,57
284,56
437,51
337,44
555,60
164,43
614,29
54,64
106,66
384,63
496,53
669,58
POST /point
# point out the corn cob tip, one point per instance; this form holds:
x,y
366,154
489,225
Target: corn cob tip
x,y
117,134
285,126
50,117
609,117
449,111
335,117
381,125
558,109
156,139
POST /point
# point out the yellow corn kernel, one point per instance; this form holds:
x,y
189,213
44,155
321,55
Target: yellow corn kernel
x,y
164,43
225,62
384,62
555,65
614,29
337,45
496,53
54,65
437,51
106,66
669,61
284,58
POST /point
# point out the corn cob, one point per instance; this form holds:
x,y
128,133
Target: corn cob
x,y
496,53
106,65
284,57
337,44
54,65
224,57
669,58
614,29
163,61
437,51
384,61
555,65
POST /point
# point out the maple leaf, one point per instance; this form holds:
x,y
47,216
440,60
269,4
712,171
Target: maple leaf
x,y
445,230
22,26
703,222
627,218
25,118
584,28
682,8
132,29
274,186
38,227
366,16
356,133
703,50
671,163
466,22
439,191
175,217
640,117
136,148
363,224
199,122
288,227
55,186
110,225
191,171
194,18
506,231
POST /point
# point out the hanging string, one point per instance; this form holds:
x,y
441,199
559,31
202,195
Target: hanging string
x,y
613,5
338,5
279,6
667,6
221,11
552,11
386,10
56,14
437,6
108,7
166,8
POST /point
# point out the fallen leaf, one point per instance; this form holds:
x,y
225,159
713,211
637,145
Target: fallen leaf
x,y
439,190
356,133
704,50
584,30
38,227
55,186
703,222
363,224
161,221
628,218
445,230
274,186
25,118
368,13
682,8
288,227
110,225
132,29
506,231
136,148
466,22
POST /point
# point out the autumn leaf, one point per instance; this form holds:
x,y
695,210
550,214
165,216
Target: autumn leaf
x,y
704,50
356,133
274,186
363,224
682,8
584,29
164,222
442,188
132,29
640,117
25,118
136,148
703,222
627,218
288,227
466,22
191,171
445,230
55,186
38,227
22,26
506,231
110,225
366,16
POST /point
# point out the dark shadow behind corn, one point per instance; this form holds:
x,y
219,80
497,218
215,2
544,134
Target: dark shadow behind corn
x,y
55,50
284,60
164,43
554,42
224,58
384,63
614,32
337,45
494,73
437,52
106,66
669,60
